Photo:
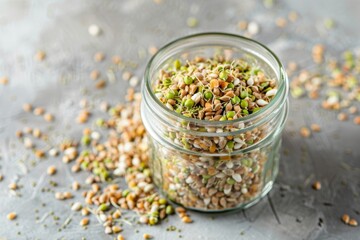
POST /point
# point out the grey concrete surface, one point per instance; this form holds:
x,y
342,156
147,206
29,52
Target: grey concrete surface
x,y
129,28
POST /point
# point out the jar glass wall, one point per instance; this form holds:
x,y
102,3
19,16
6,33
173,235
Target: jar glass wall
x,y
184,164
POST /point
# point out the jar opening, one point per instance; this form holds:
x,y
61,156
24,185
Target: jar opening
x,y
217,39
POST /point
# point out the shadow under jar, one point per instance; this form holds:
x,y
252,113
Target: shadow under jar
x,y
184,167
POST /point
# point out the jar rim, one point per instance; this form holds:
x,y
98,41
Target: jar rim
x,y
283,85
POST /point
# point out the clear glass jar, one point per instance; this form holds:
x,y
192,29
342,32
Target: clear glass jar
x,y
184,166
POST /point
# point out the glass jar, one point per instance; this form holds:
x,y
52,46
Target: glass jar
x,y
184,165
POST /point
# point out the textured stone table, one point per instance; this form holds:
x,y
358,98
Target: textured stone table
x,y
293,210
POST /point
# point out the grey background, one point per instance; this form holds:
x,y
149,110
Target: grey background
x,y
129,28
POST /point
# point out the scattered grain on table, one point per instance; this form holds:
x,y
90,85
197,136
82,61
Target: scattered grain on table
x,y
4,80
63,195
116,60
84,103
293,16
269,3
76,206
342,117
253,28
242,25
126,75
83,116
28,143
116,229
134,80
152,50
315,127
49,117
94,74
39,153
40,56
27,107
147,236
99,57
345,218
353,109
76,185
316,185
13,186
53,152
94,30
353,222
192,22
329,23
11,216
101,171
348,220
357,120
84,221
281,22
51,170
19,134
100,84
318,53
85,211
292,66
108,230
305,132
36,132
39,111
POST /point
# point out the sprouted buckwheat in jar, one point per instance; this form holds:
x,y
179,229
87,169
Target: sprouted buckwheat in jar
x,y
214,106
